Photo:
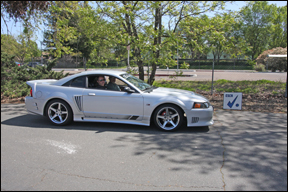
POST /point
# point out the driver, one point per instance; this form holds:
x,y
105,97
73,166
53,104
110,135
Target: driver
x,y
101,82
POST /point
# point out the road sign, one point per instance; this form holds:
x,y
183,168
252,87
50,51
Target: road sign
x,y
232,101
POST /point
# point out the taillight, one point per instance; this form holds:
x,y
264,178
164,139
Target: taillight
x,y
31,92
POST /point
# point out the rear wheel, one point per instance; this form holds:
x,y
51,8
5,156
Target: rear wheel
x,y
59,112
168,117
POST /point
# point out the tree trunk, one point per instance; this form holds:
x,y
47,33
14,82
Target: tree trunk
x,y
130,28
157,41
137,54
141,70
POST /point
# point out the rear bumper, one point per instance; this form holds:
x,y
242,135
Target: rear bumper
x,y
33,106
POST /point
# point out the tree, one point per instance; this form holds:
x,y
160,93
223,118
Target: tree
x,y
24,11
76,29
144,30
21,47
21,9
9,44
278,30
223,36
194,32
257,21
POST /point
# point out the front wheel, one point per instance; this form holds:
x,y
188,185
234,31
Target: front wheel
x,y
59,112
168,117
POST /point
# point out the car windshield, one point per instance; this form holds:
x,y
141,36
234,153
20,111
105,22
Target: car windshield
x,y
137,82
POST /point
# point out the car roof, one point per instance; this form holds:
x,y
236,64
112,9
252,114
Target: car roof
x,y
94,72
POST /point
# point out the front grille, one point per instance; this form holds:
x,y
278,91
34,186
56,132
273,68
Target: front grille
x,y
195,119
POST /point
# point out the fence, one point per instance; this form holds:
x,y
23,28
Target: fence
x,y
225,64
228,64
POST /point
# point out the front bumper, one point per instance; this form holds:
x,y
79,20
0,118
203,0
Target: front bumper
x,y
200,117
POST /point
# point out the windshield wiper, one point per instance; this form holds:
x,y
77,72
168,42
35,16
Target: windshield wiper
x,y
149,89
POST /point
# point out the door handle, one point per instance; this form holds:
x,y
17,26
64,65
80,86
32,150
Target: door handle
x,y
91,94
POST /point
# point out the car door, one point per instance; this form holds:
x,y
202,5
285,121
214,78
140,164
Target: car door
x,y
110,104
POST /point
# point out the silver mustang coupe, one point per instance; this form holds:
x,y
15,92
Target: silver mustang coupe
x,y
116,97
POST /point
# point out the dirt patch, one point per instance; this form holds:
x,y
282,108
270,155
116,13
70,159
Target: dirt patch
x,y
265,102
5,100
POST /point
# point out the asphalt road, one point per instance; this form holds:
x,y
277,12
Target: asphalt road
x,y
241,151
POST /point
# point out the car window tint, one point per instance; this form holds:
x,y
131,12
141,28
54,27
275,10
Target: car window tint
x,y
67,84
92,81
77,82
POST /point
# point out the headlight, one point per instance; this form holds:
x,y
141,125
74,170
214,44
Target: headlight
x,y
198,105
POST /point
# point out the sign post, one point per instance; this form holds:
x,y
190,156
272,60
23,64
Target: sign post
x,y
212,77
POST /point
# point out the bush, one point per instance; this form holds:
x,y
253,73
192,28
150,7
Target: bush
x,y
259,67
13,77
185,65
274,63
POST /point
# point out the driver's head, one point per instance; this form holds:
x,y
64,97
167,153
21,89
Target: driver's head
x,y
101,80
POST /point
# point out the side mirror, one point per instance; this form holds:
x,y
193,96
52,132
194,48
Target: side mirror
x,y
129,90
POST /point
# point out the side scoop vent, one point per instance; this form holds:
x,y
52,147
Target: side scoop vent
x,y
133,117
78,100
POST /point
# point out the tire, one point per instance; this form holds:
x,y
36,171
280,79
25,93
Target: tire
x,y
170,122
59,112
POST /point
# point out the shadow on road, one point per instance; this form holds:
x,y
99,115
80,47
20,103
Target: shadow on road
x,y
248,149
37,121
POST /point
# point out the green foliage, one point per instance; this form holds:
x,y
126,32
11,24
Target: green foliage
x,y
133,71
274,63
222,85
155,31
185,65
9,44
23,47
79,31
51,63
7,60
13,77
278,30
263,25
251,63
259,67
179,73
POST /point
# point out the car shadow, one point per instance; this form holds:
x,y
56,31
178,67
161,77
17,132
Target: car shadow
x,y
37,121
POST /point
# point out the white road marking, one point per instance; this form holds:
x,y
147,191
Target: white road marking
x,y
68,148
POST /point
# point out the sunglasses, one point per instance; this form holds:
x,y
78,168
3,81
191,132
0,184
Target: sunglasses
x,y
101,80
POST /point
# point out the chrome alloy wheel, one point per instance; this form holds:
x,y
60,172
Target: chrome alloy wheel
x,y
58,113
167,118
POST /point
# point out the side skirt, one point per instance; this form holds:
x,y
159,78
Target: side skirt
x,y
105,120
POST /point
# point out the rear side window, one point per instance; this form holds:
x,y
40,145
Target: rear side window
x,y
77,82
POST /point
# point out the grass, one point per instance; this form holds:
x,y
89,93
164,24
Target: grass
x,y
222,85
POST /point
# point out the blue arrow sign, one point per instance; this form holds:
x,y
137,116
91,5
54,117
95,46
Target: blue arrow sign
x,y
231,104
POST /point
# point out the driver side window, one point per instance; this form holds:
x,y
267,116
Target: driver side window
x,y
116,84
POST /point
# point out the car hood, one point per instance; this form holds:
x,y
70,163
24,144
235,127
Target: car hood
x,y
178,93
